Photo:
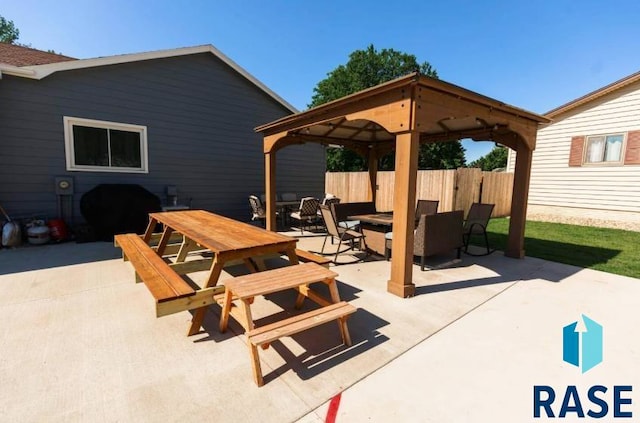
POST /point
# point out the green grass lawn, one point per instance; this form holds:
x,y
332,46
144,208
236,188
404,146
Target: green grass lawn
x,y
610,250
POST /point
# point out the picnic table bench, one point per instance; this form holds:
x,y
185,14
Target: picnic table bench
x,y
299,277
170,291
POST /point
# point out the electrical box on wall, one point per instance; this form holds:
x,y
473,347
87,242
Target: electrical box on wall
x,y
64,185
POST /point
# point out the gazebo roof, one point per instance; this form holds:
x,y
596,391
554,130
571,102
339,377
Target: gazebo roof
x,y
444,112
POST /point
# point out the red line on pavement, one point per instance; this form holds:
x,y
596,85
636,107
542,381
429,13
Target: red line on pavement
x,y
333,409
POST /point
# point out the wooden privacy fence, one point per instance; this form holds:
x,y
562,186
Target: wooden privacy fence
x,y
455,189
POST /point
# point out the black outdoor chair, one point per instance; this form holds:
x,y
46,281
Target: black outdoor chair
x,y
476,224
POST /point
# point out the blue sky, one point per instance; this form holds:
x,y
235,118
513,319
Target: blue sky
x,y
536,54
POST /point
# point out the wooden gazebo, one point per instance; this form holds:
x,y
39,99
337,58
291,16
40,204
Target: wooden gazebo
x,y
399,115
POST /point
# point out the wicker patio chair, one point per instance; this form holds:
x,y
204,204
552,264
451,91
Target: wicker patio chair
x,y
436,234
426,207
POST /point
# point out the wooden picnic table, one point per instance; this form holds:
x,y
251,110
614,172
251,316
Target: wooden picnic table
x,y
298,277
227,239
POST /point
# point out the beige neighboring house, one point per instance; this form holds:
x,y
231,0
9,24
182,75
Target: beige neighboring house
x,y
586,165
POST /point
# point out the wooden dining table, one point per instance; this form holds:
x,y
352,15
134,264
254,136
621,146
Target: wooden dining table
x,y
226,239
286,207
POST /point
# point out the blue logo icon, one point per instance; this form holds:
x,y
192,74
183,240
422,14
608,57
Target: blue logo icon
x,y
582,346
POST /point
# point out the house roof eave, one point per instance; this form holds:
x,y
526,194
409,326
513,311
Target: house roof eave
x,y
593,95
42,71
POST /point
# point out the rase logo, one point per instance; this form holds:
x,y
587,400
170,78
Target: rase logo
x,y
582,346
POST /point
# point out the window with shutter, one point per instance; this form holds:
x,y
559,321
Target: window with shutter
x,y
604,149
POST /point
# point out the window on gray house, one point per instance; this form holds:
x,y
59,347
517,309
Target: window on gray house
x,y
105,146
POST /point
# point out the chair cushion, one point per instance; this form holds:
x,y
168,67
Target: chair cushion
x,y
349,224
389,235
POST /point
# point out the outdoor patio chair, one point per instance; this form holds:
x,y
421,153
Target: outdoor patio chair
x,y
342,211
476,224
257,211
307,212
343,235
426,207
436,234
328,201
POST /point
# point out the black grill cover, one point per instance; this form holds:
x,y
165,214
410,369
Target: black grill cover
x,y
118,208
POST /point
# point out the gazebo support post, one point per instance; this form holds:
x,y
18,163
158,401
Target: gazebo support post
x,y
520,194
404,200
270,189
373,175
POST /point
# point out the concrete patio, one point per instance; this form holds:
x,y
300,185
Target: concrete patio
x,y
80,342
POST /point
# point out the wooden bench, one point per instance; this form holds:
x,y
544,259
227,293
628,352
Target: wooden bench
x,y
263,336
307,256
173,247
299,277
170,291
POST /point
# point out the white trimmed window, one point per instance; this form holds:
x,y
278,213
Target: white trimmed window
x,y
101,146
604,149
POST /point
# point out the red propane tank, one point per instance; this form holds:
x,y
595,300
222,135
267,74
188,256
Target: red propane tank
x,y
58,230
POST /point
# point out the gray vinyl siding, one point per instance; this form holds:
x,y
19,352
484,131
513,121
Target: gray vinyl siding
x,y
199,115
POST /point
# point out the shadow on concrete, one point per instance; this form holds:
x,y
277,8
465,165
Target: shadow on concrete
x,y
36,257
515,271
559,252
322,345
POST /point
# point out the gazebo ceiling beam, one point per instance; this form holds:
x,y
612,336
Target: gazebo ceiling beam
x,y
363,129
342,124
334,126
476,134
360,147
368,128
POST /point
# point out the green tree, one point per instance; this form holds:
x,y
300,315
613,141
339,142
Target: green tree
x,y
8,31
368,68
441,155
495,159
